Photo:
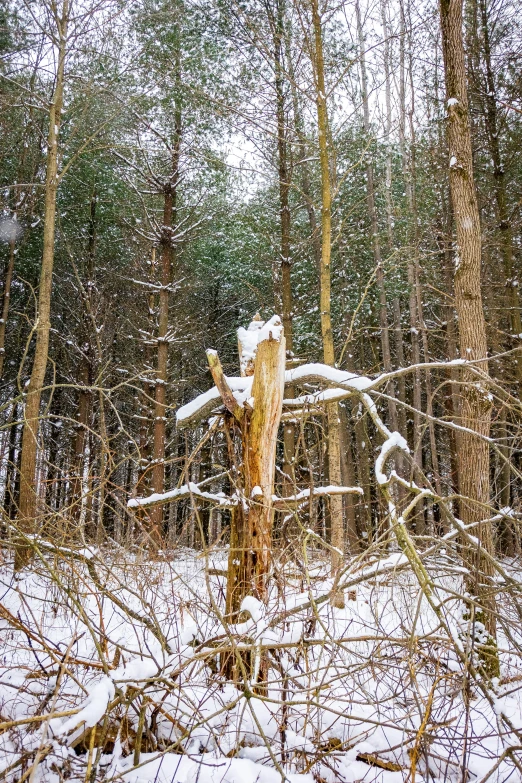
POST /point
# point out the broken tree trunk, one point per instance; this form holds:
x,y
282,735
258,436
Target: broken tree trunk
x,y
258,420
251,530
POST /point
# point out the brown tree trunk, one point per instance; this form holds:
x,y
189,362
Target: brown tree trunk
x,y
251,531
397,328
476,406
166,270
401,362
507,526
160,390
203,512
452,397
334,445
259,453
27,517
303,162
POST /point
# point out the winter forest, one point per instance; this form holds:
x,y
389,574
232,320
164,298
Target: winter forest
x,y
260,391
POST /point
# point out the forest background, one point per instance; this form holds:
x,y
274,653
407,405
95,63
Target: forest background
x,y
168,170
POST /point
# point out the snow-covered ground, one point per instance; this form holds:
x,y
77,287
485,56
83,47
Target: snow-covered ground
x,y
375,691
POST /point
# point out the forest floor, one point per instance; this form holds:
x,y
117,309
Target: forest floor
x,y
375,691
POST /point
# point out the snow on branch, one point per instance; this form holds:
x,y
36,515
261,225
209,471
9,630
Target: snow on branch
x,y
94,708
234,391
220,499
394,442
207,403
329,376
340,384
185,491
306,494
210,401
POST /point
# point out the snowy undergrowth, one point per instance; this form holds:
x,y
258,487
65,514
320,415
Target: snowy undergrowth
x,y
374,691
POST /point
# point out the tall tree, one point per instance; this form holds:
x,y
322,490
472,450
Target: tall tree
x,y
28,496
476,404
325,160
372,213
277,25
167,265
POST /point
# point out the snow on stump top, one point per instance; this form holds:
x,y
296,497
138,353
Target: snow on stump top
x,y
248,340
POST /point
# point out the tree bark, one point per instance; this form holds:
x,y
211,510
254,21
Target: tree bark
x,y
27,517
348,480
303,162
146,398
166,270
12,470
476,405
251,532
334,445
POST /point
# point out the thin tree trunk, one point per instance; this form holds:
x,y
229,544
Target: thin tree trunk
x,y
334,445
476,405
407,169
289,435
85,374
5,302
363,472
372,213
397,328
12,467
146,397
27,518
302,160
504,221
348,480
166,264
401,362
507,526
205,471
452,398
